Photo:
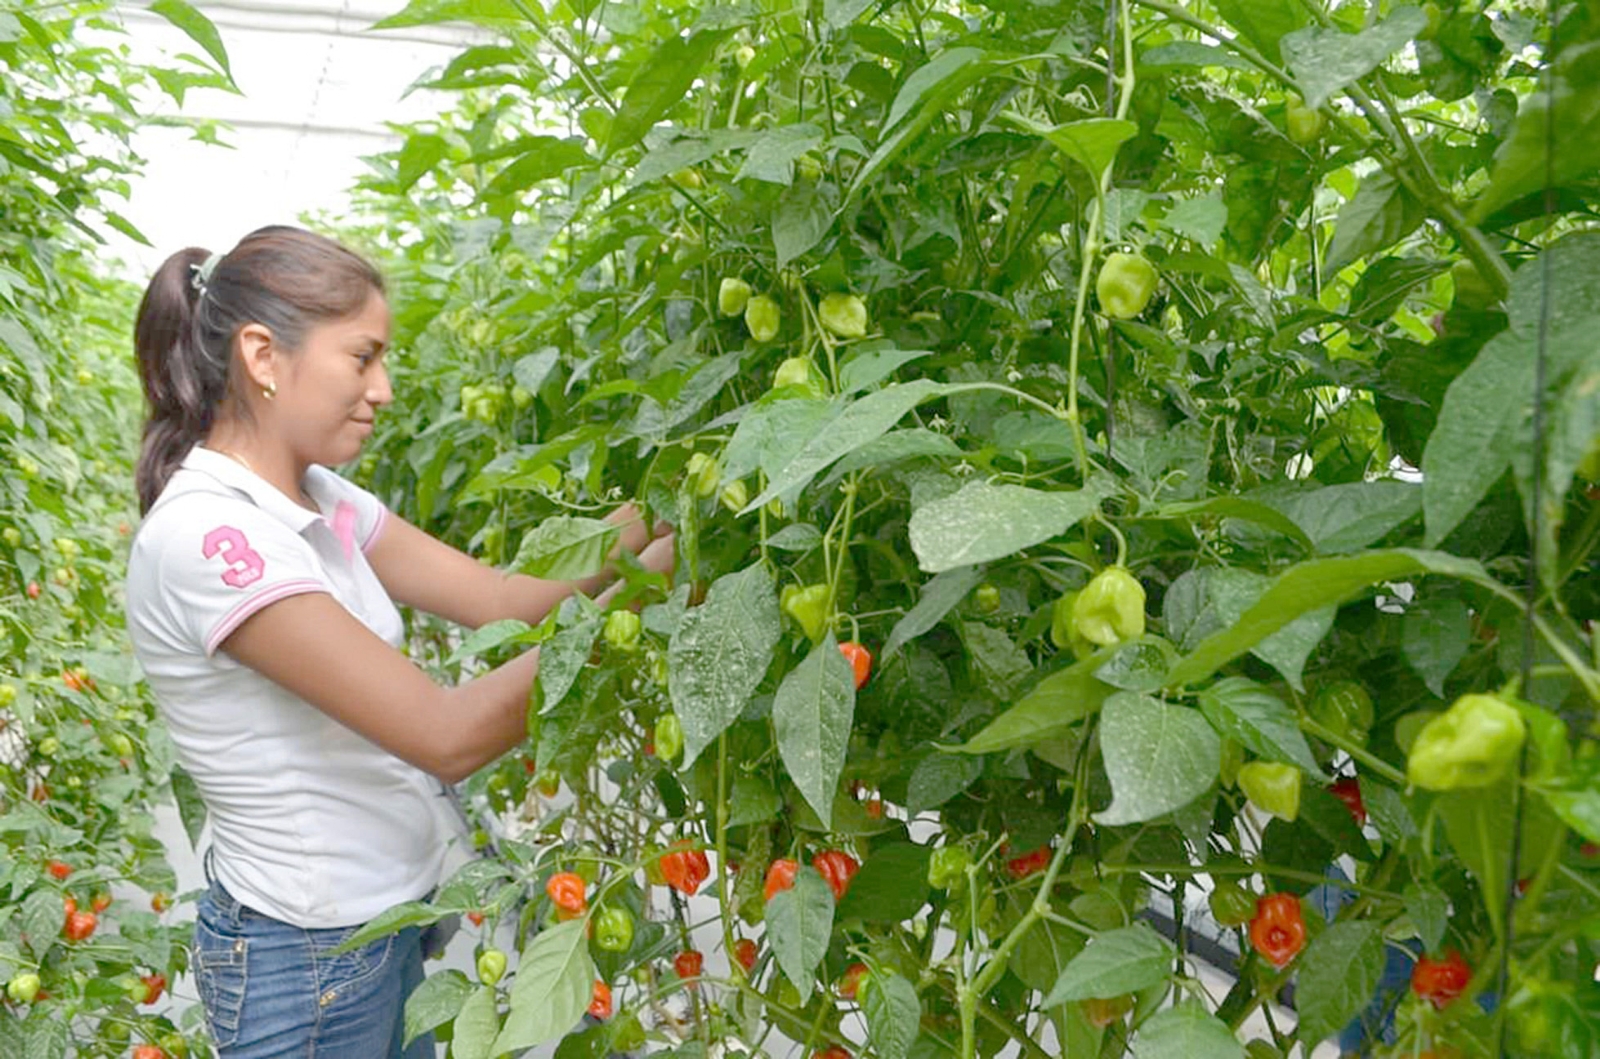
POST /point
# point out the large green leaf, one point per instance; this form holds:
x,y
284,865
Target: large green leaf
x,y
1338,975
1158,757
659,85
811,716
553,987
939,596
1186,1031
1119,961
894,1015
566,548
1235,589
436,1001
492,13
1091,142
1057,702
719,653
1259,721
477,1026
1533,154
1326,60
1264,22
799,924
891,887
983,522
199,29
1310,586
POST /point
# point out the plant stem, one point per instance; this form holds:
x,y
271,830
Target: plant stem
x,y
1355,750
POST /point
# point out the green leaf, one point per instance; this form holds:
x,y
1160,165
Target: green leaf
x,y
436,1001
392,921
1234,589
191,807
1119,961
872,365
1570,105
420,153
659,85
1470,447
998,662
563,657
199,29
939,596
1240,508
752,801
552,990
1351,516
1158,757
476,1026
1264,22
804,215
1057,702
1310,586
983,522
891,887
1044,953
545,157
796,537
1575,797
1192,53
1325,61
1429,910
1091,142
1186,1031
1202,220
939,777
41,920
1338,976
486,638
1259,721
1382,213
894,1015
925,79
799,924
811,717
771,158
719,653
566,548
1434,637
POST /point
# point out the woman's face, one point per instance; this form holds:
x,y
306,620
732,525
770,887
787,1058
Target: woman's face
x,y
330,392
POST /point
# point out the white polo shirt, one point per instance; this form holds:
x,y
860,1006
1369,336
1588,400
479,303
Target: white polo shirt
x,y
312,823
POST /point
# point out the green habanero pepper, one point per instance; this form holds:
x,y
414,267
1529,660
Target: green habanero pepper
x,y
1124,286
947,868
491,966
732,296
843,314
1063,633
1273,787
987,598
613,929
1110,609
1472,744
668,736
622,630
762,316
1231,904
808,606
1345,709
703,472
798,372
1304,124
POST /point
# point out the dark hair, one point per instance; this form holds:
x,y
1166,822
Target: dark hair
x,y
286,279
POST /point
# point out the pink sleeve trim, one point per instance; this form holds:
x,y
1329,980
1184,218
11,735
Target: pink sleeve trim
x,y
271,594
377,527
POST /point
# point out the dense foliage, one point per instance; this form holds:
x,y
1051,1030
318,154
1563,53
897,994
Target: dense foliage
x,y
1077,361
84,882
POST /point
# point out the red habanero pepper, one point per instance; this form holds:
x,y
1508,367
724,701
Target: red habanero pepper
x,y
860,660
1029,863
566,891
1440,981
780,876
1278,931
837,868
685,868
688,963
744,953
600,1002
850,982
1348,791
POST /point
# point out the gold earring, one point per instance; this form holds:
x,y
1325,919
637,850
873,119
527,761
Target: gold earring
x,y
270,390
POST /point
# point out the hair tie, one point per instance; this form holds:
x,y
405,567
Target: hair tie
x,y
202,272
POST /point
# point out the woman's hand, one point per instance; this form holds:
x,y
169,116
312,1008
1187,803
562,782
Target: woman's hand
x,y
661,554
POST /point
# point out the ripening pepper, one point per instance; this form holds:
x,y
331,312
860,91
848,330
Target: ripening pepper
x,y
745,952
1110,609
733,295
1102,1012
860,660
1273,787
567,892
689,963
1348,790
850,981
780,877
668,735
1472,744
843,314
1440,981
613,929
600,1000
762,316
808,606
1125,284
1278,931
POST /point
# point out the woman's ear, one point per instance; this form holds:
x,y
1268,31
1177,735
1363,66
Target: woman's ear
x,y
257,351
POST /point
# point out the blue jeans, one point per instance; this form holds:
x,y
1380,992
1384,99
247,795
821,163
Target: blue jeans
x,y
273,991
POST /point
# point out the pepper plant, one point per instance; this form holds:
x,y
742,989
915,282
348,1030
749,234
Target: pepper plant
x,y
1183,404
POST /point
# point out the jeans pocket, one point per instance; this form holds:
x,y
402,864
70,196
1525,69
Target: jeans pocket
x,y
221,972
339,973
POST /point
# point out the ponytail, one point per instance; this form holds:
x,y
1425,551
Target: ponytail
x,y
285,279
184,382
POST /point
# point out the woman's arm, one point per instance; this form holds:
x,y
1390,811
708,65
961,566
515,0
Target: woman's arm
x,y
422,572
312,646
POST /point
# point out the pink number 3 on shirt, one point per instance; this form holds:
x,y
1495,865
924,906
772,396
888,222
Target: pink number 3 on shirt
x,y
245,565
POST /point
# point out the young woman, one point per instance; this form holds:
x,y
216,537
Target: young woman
x,y
262,592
